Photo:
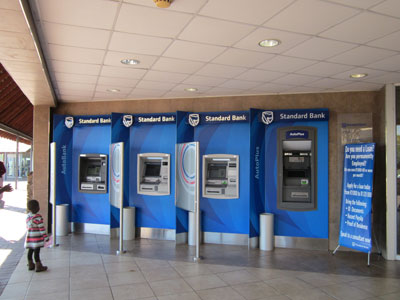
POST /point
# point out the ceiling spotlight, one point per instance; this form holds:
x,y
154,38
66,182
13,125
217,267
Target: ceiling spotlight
x,y
269,43
113,90
130,61
359,75
191,90
162,3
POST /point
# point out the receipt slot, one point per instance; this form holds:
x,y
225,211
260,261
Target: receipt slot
x,y
221,176
92,173
153,174
296,164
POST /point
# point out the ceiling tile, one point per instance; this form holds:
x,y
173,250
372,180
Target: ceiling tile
x,y
109,96
217,91
110,71
242,58
361,56
388,7
132,43
116,82
285,64
288,40
239,84
181,94
360,86
319,49
304,90
193,51
156,85
74,54
151,21
387,78
239,11
68,77
388,64
259,75
324,69
106,89
74,68
164,76
204,80
200,89
62,85
114,59
391,41
357,3
137,93
177,65
363,28
88,13
271,88
296,79
12,21
310,16
16,40
190,6
220,71
328,83
212,31
10,4
346,75
71,92
75,36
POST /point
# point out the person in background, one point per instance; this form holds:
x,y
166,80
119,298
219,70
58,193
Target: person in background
x,y
2,172
35,237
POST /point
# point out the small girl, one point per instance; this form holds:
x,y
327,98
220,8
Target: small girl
x,y
36,236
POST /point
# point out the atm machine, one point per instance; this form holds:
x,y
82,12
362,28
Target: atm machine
x,y
92,170
297,168
153,174
221,176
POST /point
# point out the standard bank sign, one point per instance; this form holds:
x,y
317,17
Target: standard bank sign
x,y
270,116
217,118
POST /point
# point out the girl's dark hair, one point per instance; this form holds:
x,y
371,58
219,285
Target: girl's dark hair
x,y
33,206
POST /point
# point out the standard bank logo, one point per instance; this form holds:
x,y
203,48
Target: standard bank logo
x,y
127,120
194,119
69,122
267,117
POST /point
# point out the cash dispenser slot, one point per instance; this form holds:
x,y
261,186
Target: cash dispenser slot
x,y
220,176
153,174
297,168
92,169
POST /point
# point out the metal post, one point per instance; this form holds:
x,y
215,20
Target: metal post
x,y
16,164
53,191
337,248
369,258
121,203
197,204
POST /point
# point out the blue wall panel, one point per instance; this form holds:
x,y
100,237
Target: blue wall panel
x,y
89,208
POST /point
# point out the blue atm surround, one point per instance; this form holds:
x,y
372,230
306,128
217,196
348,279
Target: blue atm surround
x,y
250,134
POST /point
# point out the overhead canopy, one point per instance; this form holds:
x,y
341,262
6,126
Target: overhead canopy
x,y
16,111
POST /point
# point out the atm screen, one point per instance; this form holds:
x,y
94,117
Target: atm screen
x,y
152,169
296,173
217,171
93,171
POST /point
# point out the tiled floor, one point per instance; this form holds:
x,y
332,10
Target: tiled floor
x,y
85,267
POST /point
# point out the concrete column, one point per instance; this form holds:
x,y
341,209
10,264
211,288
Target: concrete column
x,y
41,131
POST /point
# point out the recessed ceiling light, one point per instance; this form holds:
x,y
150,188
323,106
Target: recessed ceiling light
x,y
113,90
191,90
130,61
358,75
269,43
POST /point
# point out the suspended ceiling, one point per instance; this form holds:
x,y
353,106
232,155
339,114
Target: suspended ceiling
x,y
210,45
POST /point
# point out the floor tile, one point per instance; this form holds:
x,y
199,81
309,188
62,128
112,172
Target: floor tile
x,y
170,287
50,286
204,282
313,294
132,291
92,294
125,266
237,277
15,290
394,296
21,276
378,286
160,274
124,278
223,293
150,264
255,290
286,285
192,269
94,281
184,296
344,291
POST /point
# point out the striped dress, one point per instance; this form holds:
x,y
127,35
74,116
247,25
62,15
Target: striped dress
x,y
36,233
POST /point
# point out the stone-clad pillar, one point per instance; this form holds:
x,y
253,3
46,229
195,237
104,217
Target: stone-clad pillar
x,y
41,130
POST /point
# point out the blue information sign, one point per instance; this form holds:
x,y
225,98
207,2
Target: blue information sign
x,y
355,221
